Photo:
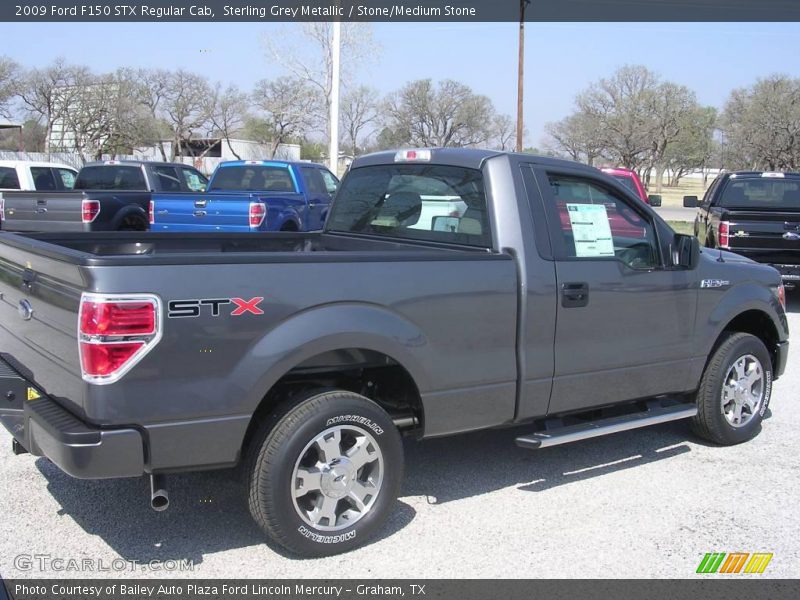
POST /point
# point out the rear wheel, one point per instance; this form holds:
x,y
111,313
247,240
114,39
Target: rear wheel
x,y
324,473
735,391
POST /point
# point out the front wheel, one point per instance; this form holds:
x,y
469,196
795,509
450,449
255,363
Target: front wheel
x,y
324,473
735,391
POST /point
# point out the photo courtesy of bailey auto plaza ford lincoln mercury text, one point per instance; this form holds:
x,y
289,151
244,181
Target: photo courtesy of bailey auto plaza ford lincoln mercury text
x,y
372,299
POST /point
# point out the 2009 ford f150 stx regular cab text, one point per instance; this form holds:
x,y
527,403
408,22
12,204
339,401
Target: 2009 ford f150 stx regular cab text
x,y
556,298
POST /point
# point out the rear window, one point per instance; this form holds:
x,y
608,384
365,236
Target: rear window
x,y
253,179
764,192
423,202
8,179
111,177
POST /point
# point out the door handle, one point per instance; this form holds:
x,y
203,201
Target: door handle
x,y
574,294
41,210
200,213
200,203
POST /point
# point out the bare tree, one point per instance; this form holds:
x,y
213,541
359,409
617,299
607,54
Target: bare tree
x,y
230,107
762,125
152,93
447,114
288,109
359,109
504,133
305,51
45,94
186,110
620,109
576,136
9,77
672,107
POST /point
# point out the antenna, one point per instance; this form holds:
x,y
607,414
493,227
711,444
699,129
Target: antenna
x,y
719,258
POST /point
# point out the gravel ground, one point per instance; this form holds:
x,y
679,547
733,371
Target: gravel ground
x,y
647,503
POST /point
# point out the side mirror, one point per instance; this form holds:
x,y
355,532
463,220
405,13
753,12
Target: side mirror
x,y
686,251
654,200
690,202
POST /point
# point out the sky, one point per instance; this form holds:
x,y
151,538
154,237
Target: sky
x,y
561,59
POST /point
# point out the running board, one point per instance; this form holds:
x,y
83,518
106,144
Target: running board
x,y
583,431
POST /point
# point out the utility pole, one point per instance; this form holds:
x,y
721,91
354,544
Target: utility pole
x,y
333,149
521,71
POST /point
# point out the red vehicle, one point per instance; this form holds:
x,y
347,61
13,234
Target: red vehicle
x,y
631,180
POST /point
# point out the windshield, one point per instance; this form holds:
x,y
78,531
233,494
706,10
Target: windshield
x,y
253,179
763,193
414,201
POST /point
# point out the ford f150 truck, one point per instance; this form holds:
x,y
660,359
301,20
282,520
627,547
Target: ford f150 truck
x,y
108,196
251,195
755,214
303,357
32,176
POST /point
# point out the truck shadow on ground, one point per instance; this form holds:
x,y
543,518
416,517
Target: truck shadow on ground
x,y
208,511
454,468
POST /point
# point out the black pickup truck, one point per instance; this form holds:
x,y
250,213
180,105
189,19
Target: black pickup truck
x,y
108,196
555,299
755,214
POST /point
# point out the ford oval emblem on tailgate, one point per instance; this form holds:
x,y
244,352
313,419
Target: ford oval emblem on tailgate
x,y
25,310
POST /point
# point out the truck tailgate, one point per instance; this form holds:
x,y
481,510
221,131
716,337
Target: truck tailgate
x,y
201,212
39,301
766,236
42,211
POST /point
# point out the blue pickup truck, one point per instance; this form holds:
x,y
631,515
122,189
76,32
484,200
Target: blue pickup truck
x,y
250,195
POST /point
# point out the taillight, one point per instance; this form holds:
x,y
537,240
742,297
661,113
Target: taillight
x,y
89,210
724,234
258,212
782,296
115,332
2,208
151,212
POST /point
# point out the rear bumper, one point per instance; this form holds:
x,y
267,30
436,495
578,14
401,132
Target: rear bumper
x,y
44,428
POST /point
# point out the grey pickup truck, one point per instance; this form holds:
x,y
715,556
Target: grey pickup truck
x,y
451,290
112,195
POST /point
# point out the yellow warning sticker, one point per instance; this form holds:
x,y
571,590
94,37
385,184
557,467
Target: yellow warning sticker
x,y
33,394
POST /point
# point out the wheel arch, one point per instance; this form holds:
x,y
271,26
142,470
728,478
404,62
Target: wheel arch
x,y
345,346
126,211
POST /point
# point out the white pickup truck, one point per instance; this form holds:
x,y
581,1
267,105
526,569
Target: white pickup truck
x,y
30,176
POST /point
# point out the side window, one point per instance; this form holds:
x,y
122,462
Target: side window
x,y
330,181
43,179
167,179
313,180
8,179
67,177
194,180
591,222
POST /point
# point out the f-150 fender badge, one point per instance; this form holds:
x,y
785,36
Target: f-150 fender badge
x,y
180,309
714,283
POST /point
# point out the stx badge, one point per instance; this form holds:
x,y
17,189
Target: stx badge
x,y
179,309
